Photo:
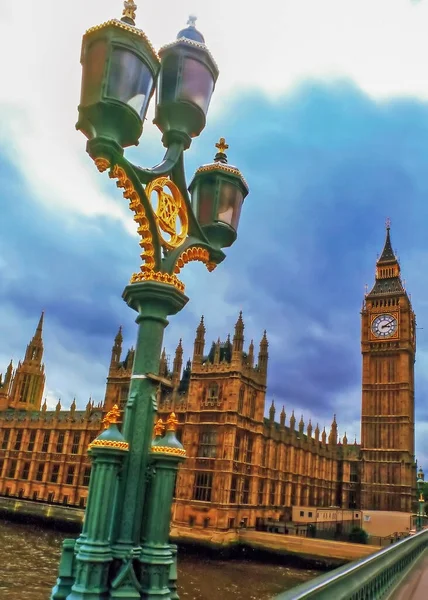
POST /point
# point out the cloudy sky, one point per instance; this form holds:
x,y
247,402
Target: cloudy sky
x,y
325,109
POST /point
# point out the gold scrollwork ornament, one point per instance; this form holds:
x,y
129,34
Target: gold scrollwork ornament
x,y
171,214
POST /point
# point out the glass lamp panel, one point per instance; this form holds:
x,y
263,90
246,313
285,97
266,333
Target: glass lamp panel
x,y
93,71
197,83
205,200
168,79
230,205
130,80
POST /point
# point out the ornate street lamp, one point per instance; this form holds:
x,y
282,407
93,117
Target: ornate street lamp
x,y
420,483
124,550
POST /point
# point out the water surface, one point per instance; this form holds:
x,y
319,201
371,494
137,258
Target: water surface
x,y
30,556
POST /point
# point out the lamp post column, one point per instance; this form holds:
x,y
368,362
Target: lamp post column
x,y
154,302
92,560
156,555
421,501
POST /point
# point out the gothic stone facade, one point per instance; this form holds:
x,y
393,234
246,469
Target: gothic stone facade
x,y
241,466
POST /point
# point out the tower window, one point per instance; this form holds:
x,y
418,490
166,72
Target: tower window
x,y
6,436
208,443
32,440
18,440
86,476
237,447
54,473
40,472
212,395
45,445
12,469
124,391
282,494
272,493
202,488
260,492
263,453
241,399
249,451
70,475
24,388
76,442
25,470
233,489
246,490
60,441
253,404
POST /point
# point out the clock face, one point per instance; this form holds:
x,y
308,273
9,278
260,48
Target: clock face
x,y
384,326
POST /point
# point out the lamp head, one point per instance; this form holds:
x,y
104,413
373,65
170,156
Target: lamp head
x,y
186,83
119,72
218,191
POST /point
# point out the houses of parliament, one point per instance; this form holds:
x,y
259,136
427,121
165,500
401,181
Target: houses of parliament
x,y
242,467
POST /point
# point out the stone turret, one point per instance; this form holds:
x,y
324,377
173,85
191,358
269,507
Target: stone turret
x,y
272,412
199,344
263,355
332,438
178,363
282,417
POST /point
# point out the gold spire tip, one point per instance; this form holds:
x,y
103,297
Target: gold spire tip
x,y
159,428
172,422
129,9
112,417
221,145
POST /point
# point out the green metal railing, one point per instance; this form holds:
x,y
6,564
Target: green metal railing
x,y
368,579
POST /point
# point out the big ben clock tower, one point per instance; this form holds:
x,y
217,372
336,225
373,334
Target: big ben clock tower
x,y
388,346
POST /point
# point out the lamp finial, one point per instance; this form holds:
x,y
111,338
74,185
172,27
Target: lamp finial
x,y
221,147
129,9
112,417
388,223
191,22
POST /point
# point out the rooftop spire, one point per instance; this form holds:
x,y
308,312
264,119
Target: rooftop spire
x,y
388,278
39,329
119,337
387,252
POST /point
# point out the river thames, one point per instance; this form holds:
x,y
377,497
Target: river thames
x,y
30,557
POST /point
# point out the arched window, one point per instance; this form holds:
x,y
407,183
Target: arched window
x,y
241,399
253,404
213,393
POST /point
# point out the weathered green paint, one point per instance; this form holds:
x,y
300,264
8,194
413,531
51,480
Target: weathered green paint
x,y
153,302
173,574
65,573
156,556
368,579
92,554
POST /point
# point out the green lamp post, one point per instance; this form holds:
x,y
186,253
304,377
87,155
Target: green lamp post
x,y
421,501
120,73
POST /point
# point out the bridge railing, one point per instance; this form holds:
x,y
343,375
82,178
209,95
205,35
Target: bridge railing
x,y
366,579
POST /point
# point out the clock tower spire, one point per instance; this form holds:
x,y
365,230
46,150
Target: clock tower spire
x,y
388,348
